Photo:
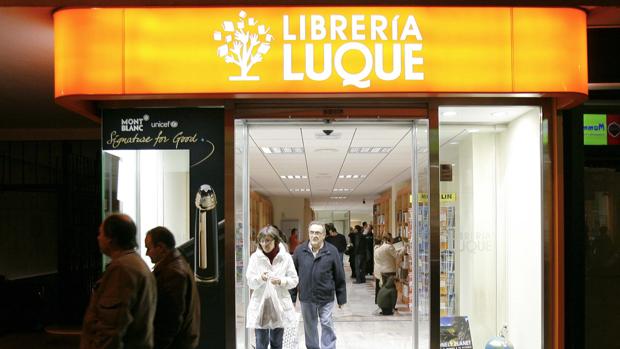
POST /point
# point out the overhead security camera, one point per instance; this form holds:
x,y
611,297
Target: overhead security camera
x,y
328,132
363,201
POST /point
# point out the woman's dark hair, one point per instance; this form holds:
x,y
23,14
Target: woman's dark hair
x,y
121,229
268,231
387,238
162,235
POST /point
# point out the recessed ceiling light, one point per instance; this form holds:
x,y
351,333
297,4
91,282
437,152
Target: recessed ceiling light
x,y
351,176
448,113
282,150
369,150
454,143
473,130
343,189
337,197
332,150
293,177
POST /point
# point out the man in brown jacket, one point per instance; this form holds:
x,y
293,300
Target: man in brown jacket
x,y
122,306
177,320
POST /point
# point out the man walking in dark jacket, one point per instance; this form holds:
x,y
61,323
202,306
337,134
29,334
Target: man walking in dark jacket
x,y
321,275
177,319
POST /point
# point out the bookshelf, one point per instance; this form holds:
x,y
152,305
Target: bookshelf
x,y
381,215
447,247
402,204
261,214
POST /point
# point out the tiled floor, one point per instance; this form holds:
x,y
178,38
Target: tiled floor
x,y
360,326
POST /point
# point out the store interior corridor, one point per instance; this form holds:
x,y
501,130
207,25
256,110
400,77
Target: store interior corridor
x,y
359,323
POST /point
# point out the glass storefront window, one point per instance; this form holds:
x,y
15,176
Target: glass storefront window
x,y
152,187
490,222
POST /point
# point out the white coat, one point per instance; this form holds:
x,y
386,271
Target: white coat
x,y
282,268
386,260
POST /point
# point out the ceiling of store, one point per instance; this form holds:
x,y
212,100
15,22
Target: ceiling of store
x,y
356,161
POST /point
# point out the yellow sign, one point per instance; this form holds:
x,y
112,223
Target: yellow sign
x,y
449,197
422,197
164,51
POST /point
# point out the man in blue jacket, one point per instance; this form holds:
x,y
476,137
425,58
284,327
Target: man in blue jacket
x,y
321,275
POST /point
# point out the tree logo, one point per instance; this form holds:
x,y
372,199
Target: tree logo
x,y
245,43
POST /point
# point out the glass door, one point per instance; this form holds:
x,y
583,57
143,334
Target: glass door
x,y
419,249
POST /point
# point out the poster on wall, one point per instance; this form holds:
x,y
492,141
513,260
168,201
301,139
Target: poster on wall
x,y
601,129
454,333
192,139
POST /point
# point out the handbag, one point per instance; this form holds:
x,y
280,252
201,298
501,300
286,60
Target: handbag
x,y
270,310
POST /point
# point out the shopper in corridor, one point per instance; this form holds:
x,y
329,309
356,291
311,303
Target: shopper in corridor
x,y
122,306
270,271
321,275
177,319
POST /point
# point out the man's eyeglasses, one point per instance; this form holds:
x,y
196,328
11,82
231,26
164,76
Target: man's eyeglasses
x,y
315,232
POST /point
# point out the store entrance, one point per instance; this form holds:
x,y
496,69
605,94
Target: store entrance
x,y
343,173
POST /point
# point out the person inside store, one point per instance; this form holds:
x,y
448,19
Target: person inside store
x,y
370,243
122,306
270,274
361,255
336,239
321,276
386,262
293,241
352,248
177,318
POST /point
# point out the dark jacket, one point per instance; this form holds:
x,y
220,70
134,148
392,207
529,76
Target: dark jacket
x,y
177,319
360,243
319,277
122,306
386,298
339,241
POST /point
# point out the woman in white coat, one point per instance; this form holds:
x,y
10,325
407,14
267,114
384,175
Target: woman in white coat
x,y
270,263
386,262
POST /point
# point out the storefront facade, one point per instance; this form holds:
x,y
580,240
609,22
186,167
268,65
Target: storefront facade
x,y
424,65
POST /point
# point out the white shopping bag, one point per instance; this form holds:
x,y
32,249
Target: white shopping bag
x,y
290,338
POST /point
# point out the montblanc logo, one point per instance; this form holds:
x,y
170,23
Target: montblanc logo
x,y
134,124
245,43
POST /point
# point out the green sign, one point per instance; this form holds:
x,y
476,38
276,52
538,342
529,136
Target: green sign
x,y
594,129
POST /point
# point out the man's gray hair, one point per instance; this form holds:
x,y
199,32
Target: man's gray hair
x,y
317,223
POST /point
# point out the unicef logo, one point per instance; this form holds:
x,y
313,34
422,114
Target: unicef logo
x,y
174,124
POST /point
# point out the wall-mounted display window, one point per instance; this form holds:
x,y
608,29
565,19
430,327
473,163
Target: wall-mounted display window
x,y
490,222
152,186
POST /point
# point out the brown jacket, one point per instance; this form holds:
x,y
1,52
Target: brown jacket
x,y
177,320
122,306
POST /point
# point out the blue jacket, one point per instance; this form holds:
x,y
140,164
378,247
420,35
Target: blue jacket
x,y
319,277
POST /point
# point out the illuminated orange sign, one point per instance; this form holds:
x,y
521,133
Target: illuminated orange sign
x,y
139,51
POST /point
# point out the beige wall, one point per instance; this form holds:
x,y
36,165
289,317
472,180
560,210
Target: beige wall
x,y
289,208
